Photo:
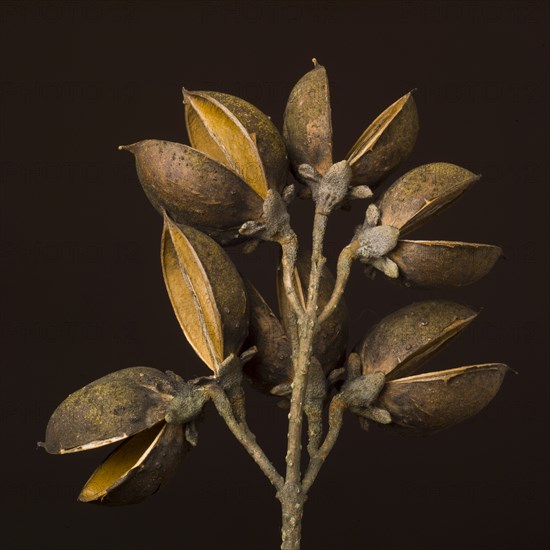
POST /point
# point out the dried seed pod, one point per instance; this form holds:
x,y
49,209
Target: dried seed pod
x,y
432,264
386,143
438,400
330,342
307,122
239,136
272,364
206,291
421,193
399,344
137,468
110,409
194,189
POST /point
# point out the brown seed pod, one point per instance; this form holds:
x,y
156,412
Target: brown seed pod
x,y
330,342
386,143
272,364
430,402
307,126
194,189
401,342
110,409
137,468
421,193
432,264
239,136
206,291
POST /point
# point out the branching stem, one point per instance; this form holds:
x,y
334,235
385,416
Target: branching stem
x,y
243,435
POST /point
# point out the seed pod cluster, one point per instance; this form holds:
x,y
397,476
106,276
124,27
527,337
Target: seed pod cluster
x,y
400,344
387,141
229,185
129,406
220,182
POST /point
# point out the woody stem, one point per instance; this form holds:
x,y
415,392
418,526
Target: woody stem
x,y
291,496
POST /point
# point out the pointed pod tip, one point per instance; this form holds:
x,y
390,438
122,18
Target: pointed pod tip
x,y
129,148
413,91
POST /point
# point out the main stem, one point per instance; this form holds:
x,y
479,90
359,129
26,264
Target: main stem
x,y
292,496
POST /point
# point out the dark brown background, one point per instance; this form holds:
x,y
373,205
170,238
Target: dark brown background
x,y
84,293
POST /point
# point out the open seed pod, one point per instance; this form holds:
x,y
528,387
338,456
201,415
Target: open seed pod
x,y
421,193
330,343
400,344
194,189
307,122
272,364
403,340
239,136
138,467
386,143
433,264
129,405
410,202
430,402
110,409
206,291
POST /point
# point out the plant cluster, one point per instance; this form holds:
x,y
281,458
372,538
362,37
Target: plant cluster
x,y
230,186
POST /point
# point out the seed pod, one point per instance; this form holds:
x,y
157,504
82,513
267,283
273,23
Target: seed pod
x,y
330,343
307,122
272,364
386,143
432,264
194,189
239,136
401,342
438,400
206,291
110,409
137,468
421,193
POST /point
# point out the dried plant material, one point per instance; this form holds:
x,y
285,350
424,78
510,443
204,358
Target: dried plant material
x,y
423,192
264,134
138,467
110,409
230,186
330,343
386,143
206,291
192,188
272,364
236,134
438,400
307,122
401,342
433,264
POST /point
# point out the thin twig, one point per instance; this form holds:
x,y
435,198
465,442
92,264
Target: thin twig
x,y
289,246
345,261
244,435
336,413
